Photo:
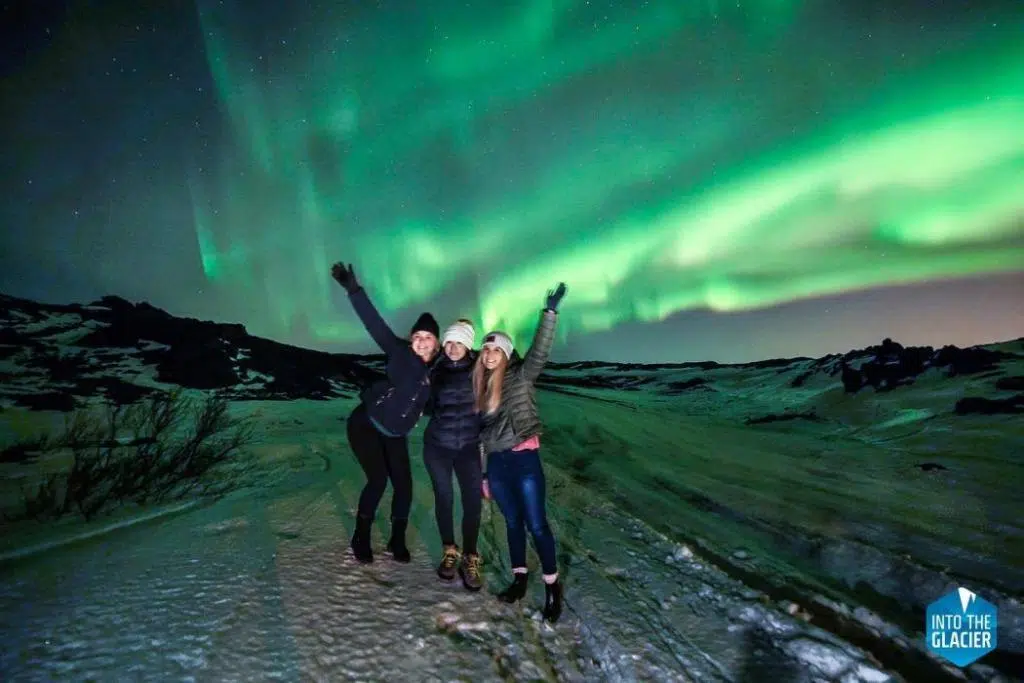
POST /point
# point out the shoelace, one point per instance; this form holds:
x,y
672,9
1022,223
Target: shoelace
x,y
451,557
473,565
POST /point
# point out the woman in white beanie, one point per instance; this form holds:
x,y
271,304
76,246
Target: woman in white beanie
x,y
451,444
510,441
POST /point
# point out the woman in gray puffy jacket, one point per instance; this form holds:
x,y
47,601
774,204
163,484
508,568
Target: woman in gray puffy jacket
x,y
504,386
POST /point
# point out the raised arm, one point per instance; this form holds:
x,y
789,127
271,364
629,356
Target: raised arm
x,y
537,355
379,330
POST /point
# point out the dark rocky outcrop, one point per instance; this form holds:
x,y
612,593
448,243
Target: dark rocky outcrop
x,y
699,383
1013,383
801,379
783,417
979,405
64,353
890,364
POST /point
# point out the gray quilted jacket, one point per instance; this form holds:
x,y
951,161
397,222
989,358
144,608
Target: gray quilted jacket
x,y
516,418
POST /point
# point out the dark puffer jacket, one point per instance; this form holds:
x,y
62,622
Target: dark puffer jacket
x,y
396,403
454,423
516,418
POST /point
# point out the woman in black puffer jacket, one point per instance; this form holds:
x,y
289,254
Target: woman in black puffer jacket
x,y
451,443
389,409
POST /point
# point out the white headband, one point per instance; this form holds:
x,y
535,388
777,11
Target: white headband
x,y
499,340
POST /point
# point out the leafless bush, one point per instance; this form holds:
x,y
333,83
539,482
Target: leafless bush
x,y
161,449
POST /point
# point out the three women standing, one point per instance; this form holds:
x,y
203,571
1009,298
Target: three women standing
x,y
481,405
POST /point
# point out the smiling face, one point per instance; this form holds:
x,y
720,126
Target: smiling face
x,y
492,357
456,351
424,344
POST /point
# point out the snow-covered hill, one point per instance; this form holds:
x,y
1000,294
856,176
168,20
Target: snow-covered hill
x,y
52,356
784,520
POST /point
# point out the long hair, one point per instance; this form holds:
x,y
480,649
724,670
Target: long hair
x,y
487,384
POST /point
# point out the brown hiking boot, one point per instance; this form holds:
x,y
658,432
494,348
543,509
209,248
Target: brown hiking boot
x,y
446,570
469,570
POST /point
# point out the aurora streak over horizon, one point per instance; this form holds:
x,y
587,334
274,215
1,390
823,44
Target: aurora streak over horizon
x,y
657,160
714,180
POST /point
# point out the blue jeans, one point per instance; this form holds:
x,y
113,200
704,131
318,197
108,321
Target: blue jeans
x,y
516,479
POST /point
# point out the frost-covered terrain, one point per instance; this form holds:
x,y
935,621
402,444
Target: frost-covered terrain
x,y
781,521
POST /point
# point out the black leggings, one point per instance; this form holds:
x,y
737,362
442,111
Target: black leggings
x,y
382,458
465,463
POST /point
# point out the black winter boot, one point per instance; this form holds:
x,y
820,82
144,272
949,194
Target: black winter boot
x,y
396,546
516,590
361,546
553,601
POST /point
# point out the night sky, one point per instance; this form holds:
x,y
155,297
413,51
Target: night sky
x,y
714,180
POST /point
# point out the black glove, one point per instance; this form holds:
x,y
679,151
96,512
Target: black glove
x,y
554,297
345,276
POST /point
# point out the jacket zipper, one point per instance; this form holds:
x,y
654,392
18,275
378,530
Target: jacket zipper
x,y
386,396
425,383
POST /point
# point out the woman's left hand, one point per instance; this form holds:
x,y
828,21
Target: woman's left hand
x,y
555,296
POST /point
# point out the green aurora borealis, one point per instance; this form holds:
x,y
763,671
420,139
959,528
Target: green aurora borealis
x,y
724,181
656,159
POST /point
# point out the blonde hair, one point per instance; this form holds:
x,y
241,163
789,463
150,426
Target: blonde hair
x,y
487,384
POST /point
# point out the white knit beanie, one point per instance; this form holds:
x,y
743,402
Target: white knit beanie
x,y
461,332
499,340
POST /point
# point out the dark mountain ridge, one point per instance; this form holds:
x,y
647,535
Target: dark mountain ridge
x,y
78,350
54,355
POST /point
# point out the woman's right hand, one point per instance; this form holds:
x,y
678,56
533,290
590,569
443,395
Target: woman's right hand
x,y
345,276
486,490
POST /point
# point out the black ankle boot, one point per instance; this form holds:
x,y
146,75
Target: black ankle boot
x,y
396,546
516,590
553,601
361,547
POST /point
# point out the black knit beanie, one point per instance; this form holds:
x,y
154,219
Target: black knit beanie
x,y
426,323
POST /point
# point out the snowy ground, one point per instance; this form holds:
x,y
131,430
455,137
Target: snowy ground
x,y
260,587
790,541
